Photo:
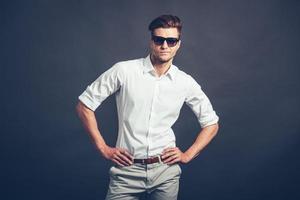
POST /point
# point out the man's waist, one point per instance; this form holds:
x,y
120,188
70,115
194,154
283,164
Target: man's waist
x,y
150,160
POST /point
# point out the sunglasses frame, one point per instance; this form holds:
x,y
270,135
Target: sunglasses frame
x,y
158,40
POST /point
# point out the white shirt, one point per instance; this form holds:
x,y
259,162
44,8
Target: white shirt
x,y
148,105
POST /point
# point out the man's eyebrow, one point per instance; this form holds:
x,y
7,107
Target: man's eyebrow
x,y
164,37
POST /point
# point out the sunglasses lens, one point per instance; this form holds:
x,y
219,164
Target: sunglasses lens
x,y
160,41
171,42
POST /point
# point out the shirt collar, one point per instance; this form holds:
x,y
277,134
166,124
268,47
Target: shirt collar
x,y
148,67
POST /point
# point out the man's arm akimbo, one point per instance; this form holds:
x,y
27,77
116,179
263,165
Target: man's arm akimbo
x,y
172,155
88,119
118,155
203,139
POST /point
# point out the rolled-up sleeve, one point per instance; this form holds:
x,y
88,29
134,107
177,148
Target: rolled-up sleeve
x,y
105,85
200,104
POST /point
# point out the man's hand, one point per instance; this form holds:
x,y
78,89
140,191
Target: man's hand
x,y
173,155
118,155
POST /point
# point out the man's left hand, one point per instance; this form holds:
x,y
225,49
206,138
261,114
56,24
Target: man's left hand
x,y
173,155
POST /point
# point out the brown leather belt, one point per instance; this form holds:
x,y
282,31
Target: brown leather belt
x,y
148,160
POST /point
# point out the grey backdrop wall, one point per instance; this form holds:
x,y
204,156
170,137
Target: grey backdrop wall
x,y
244,54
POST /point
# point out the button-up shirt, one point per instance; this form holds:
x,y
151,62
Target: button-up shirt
x,y
148,105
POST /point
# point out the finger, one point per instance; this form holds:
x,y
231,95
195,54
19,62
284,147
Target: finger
x,y
170,153
173,161
165,150
126,153
117,162
116,157
120,160
125,159
168,150
170,158
165,156
120,154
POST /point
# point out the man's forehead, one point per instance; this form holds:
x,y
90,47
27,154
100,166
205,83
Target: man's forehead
x,y
166,32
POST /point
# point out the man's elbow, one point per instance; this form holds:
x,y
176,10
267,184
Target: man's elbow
x,y
212,129
216,128
80,108
83,109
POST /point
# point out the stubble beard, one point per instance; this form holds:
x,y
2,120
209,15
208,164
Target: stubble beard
x,y
159,60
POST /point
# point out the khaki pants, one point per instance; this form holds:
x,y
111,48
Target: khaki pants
x,y
159,180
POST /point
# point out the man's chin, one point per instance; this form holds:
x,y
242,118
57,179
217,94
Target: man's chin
x,y
164,59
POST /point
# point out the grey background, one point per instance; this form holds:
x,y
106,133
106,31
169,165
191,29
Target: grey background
x,y
244,54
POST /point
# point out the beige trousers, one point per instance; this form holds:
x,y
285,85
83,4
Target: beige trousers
x,y
159,180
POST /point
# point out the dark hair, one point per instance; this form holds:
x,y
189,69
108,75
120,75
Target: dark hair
x,y
166,21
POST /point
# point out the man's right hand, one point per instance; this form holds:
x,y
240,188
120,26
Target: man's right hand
x,y
118,155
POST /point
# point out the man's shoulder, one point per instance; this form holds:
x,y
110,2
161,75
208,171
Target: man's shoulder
x,y
125,67
182,74
131,62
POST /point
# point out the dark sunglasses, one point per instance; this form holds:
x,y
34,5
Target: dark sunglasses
x,y
160,40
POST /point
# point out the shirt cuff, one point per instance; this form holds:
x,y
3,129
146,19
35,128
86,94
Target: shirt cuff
x,y
88,102
210,122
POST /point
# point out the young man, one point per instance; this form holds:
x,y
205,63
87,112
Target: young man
x,y
149,93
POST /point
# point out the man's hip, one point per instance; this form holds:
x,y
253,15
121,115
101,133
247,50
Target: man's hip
x,y
159,180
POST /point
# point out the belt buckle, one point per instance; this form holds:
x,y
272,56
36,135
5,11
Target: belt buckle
x,y
143,161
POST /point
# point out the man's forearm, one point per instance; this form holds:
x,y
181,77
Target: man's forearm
x,y
119,156
89,121
203,138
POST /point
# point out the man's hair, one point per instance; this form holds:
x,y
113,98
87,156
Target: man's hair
x,y
166,21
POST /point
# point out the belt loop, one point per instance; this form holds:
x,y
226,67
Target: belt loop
x,y
159,158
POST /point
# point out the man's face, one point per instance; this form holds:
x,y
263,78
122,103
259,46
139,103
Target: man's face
x,y
164,52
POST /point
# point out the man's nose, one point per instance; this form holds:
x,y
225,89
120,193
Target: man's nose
x,y
164,45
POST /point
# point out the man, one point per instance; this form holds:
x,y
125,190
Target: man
x,y
149,94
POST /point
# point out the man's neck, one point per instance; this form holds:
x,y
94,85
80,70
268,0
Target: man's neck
x,y
160,67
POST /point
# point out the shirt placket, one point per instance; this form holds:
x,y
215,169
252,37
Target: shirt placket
x,y
152,113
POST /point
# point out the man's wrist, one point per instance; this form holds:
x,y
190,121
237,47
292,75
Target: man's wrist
x,y
187,157
103,148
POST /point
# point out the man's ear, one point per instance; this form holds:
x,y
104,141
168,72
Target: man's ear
x,y
179,43
150,42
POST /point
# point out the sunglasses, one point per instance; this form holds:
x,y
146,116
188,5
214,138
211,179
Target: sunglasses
x,y
160,40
